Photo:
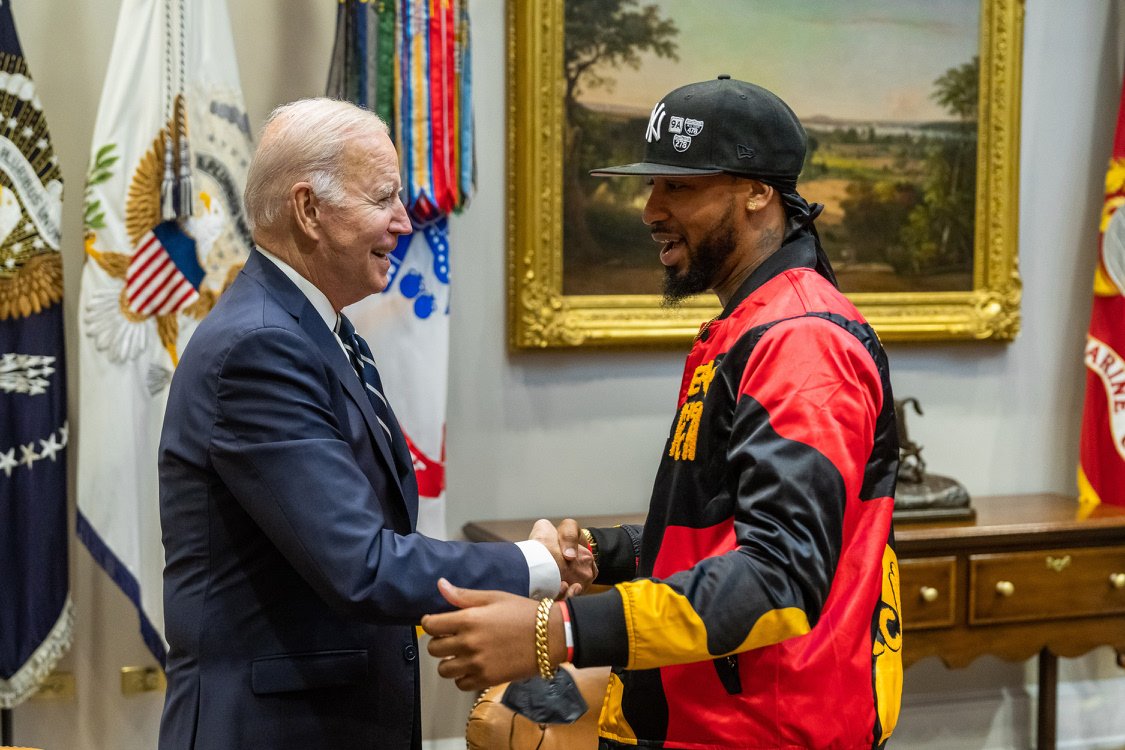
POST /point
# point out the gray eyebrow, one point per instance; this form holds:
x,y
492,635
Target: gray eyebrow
x,y
387,190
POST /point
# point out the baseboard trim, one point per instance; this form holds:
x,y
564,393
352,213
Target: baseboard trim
x,y
447,743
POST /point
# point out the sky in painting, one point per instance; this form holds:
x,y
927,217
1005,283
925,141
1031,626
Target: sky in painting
x,y
844,59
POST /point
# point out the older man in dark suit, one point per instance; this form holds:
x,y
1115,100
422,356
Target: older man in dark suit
x,y
288,500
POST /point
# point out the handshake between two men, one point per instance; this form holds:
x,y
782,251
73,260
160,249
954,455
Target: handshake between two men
x,y
492,637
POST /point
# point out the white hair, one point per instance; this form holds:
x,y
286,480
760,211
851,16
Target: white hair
x,y
302,141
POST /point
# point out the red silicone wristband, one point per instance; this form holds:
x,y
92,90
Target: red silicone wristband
x,y
565,609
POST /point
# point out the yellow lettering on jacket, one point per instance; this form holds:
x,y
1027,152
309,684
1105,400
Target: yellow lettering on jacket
x,y
687,432
701,378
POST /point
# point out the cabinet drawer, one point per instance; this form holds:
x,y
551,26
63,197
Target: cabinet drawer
x,y
1046,585
929,591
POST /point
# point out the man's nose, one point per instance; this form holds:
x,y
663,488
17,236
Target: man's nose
x,y
654,210
400,224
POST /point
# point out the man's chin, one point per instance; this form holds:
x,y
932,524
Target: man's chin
x,y
678,286
373,287
671,301
379,278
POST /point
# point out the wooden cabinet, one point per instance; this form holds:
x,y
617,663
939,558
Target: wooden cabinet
x,y
1032,575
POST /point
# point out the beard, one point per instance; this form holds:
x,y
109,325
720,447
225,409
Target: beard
x,y
704,261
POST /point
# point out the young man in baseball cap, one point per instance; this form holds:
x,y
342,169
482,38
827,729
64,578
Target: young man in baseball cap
x,y
758,606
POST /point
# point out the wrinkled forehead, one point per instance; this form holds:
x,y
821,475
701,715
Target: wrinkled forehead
x,y
371,155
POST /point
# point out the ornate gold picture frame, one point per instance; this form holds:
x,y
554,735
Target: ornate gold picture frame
x,y
542,314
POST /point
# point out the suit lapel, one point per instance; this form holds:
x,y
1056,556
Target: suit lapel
x,y
295,302
411,508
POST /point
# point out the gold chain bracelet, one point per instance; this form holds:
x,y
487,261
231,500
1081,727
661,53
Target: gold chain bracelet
x,y
542,653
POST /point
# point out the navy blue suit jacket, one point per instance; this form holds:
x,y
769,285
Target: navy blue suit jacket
x,y
293,579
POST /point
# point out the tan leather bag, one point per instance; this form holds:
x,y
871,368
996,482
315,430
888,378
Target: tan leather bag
x,y
494,726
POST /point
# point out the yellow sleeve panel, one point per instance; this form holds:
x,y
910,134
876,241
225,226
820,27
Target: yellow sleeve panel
x,y
665,629
612,724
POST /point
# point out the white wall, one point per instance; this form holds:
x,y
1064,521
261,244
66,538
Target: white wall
x,y
551,433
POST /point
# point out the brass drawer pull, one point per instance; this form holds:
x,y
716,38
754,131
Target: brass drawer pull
x,y
1117,580
1005,588
1058,564
930,594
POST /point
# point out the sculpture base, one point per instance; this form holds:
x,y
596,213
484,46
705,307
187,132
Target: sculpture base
x,y
935,498
920,515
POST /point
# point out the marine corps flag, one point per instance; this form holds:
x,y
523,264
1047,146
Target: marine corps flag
x,y
1101,470
165,234
408,60
35,609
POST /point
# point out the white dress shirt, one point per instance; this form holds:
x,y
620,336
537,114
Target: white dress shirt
x,y
542,571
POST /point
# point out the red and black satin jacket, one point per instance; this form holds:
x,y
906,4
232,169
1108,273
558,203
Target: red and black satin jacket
x,y
758,607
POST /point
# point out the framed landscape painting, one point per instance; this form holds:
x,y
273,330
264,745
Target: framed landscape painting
x,y
912,113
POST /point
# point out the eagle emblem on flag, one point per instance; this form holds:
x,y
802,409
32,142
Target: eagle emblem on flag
x,y
30,200
175,268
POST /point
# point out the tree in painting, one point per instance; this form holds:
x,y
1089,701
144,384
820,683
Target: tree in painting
x,y
909,201
939,233
599,216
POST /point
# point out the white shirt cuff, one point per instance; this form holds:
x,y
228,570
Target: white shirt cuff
x,y
542,570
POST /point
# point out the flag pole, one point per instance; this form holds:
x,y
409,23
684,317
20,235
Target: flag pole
x,y
5,726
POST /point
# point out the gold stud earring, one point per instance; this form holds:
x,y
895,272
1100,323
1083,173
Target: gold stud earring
x,y
752,205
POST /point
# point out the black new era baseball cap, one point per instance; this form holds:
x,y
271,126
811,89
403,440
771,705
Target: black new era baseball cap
x,y
720,126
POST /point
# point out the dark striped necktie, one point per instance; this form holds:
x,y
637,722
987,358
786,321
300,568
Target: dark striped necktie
x,y
360,355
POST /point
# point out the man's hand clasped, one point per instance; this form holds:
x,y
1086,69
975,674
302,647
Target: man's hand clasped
x,y
490,637
577,565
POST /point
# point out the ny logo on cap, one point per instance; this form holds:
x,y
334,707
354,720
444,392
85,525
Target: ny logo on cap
x,y
655,120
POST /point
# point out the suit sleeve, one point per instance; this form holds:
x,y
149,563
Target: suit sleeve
x,y
279,447
802,432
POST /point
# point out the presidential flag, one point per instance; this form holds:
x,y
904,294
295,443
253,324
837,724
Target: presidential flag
x,y
36,615
165,235
1101,470
408,60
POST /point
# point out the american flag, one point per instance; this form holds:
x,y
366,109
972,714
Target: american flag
x,y
164,274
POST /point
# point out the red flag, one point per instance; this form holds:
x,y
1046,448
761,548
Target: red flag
x,y
1101,470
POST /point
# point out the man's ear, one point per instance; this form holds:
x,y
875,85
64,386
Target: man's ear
x,y
306,209
758,195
